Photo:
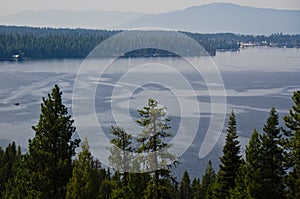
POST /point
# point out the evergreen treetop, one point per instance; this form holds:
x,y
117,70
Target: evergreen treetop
x,y
292,157
47,167
230,161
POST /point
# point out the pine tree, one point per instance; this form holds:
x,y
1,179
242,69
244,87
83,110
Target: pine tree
x,y
17,187
292,122
185,187
272,158
261,176
118,193
120,154
196,187
2,162
45,171
119,190
163,188
253,168
85,181
156,126
137,184
106,188
9,162
230,161
151,189
240,190
207,181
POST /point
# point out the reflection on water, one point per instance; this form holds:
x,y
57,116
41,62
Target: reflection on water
x,y
255,80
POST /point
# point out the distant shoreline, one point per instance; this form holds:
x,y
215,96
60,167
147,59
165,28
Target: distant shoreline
x,y
137,57
26,43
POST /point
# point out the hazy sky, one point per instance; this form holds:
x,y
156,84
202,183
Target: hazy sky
x,y
8,7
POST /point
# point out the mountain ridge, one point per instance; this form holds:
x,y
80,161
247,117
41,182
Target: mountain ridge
x,y
209,18
224,17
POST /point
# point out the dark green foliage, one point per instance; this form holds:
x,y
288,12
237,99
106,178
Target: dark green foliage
x,y
272,158
106,188
119,189
230,161
18,187
253,169
229,41
154,184
2,178
86,175
262,174
292,158
119,193
49,42
46,169
196,188
161,189
156,126
120,154
9,162
241,189
208,180
137,184
77,43
185,187
114,187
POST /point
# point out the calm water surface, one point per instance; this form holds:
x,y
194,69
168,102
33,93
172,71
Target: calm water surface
x,y
255,80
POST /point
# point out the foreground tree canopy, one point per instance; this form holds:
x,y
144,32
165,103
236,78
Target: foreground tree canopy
x,y
271,168
46,169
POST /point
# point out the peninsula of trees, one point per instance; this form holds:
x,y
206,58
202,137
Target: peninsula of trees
x,y
270,169
47,43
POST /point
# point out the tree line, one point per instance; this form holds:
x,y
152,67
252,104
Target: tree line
x,y
39,43
50,169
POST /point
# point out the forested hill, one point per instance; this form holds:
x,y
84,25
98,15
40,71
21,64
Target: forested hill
x,y
77,43
49,42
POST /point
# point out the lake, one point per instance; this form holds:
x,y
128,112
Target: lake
x,y
255,79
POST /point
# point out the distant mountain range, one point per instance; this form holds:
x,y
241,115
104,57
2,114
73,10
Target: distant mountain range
x,y
211,18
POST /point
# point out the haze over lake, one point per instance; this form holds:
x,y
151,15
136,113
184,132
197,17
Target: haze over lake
x,y
235,19
255,79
